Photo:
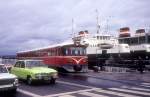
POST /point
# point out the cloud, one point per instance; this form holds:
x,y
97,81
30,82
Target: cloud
x,y
27,24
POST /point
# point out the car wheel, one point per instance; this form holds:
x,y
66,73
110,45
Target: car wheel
x,y
14,90
29,80
53,81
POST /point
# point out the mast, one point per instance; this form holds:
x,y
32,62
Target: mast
x,y
97,20
73,28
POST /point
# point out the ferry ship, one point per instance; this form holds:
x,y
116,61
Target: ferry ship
x,y
102,48
123,51
139,45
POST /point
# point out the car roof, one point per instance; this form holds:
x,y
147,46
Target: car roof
x,y
1,64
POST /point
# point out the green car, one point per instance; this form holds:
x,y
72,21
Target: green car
x,y
34,70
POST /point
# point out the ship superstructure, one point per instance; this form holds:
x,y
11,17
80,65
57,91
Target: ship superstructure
x,y
139,45
101,48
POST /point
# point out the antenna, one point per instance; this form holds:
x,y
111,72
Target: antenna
x,y
97,19
72,27
107,26
73,33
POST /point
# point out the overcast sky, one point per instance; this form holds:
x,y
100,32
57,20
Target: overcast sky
x,y
27,24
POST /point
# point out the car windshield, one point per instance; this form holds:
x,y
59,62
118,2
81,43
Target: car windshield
x,y
3,69
31,64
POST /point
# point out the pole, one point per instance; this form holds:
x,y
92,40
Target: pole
x,y
97,20
73,28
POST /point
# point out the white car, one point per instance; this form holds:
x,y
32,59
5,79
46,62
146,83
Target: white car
x,y
8,82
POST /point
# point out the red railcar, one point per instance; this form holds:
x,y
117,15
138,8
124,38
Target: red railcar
x,y
66,56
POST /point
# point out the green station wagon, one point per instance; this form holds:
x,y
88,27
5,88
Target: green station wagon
x,y
34,70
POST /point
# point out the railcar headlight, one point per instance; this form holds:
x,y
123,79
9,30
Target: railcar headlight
x,y
16,82
84,60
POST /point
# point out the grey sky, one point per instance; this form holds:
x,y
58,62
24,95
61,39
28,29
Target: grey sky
x,y
26,24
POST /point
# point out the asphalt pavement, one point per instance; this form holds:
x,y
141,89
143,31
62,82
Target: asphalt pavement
x,y
91,84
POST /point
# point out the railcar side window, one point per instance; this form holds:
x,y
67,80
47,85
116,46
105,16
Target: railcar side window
x,y
66,51
73,52
76,52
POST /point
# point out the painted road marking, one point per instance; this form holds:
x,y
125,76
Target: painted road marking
x,y
74,84
61,82
67,96
92,94
130,91
28,93
68,93
146,83
115,93
145,86
88,91
136,88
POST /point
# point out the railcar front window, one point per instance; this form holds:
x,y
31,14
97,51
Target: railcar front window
x,y
74,51
3,69
31,64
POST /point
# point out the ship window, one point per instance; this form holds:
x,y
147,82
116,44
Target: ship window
x,y
134,41
97,37
142,39
148,39
121,41
127,40
104,38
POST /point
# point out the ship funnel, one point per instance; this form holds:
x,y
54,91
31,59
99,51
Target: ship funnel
x,y
140,32
86,31
124,32
83,32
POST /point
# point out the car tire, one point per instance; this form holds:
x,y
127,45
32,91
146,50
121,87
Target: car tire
x,y
53,81
14,90
29,80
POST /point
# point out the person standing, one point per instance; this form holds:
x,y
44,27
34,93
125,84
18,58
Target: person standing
x,y
140,65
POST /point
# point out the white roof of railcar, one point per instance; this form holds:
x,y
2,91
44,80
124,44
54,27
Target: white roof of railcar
x,y
68,42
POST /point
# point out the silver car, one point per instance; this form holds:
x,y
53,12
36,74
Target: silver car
x,y
8,82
